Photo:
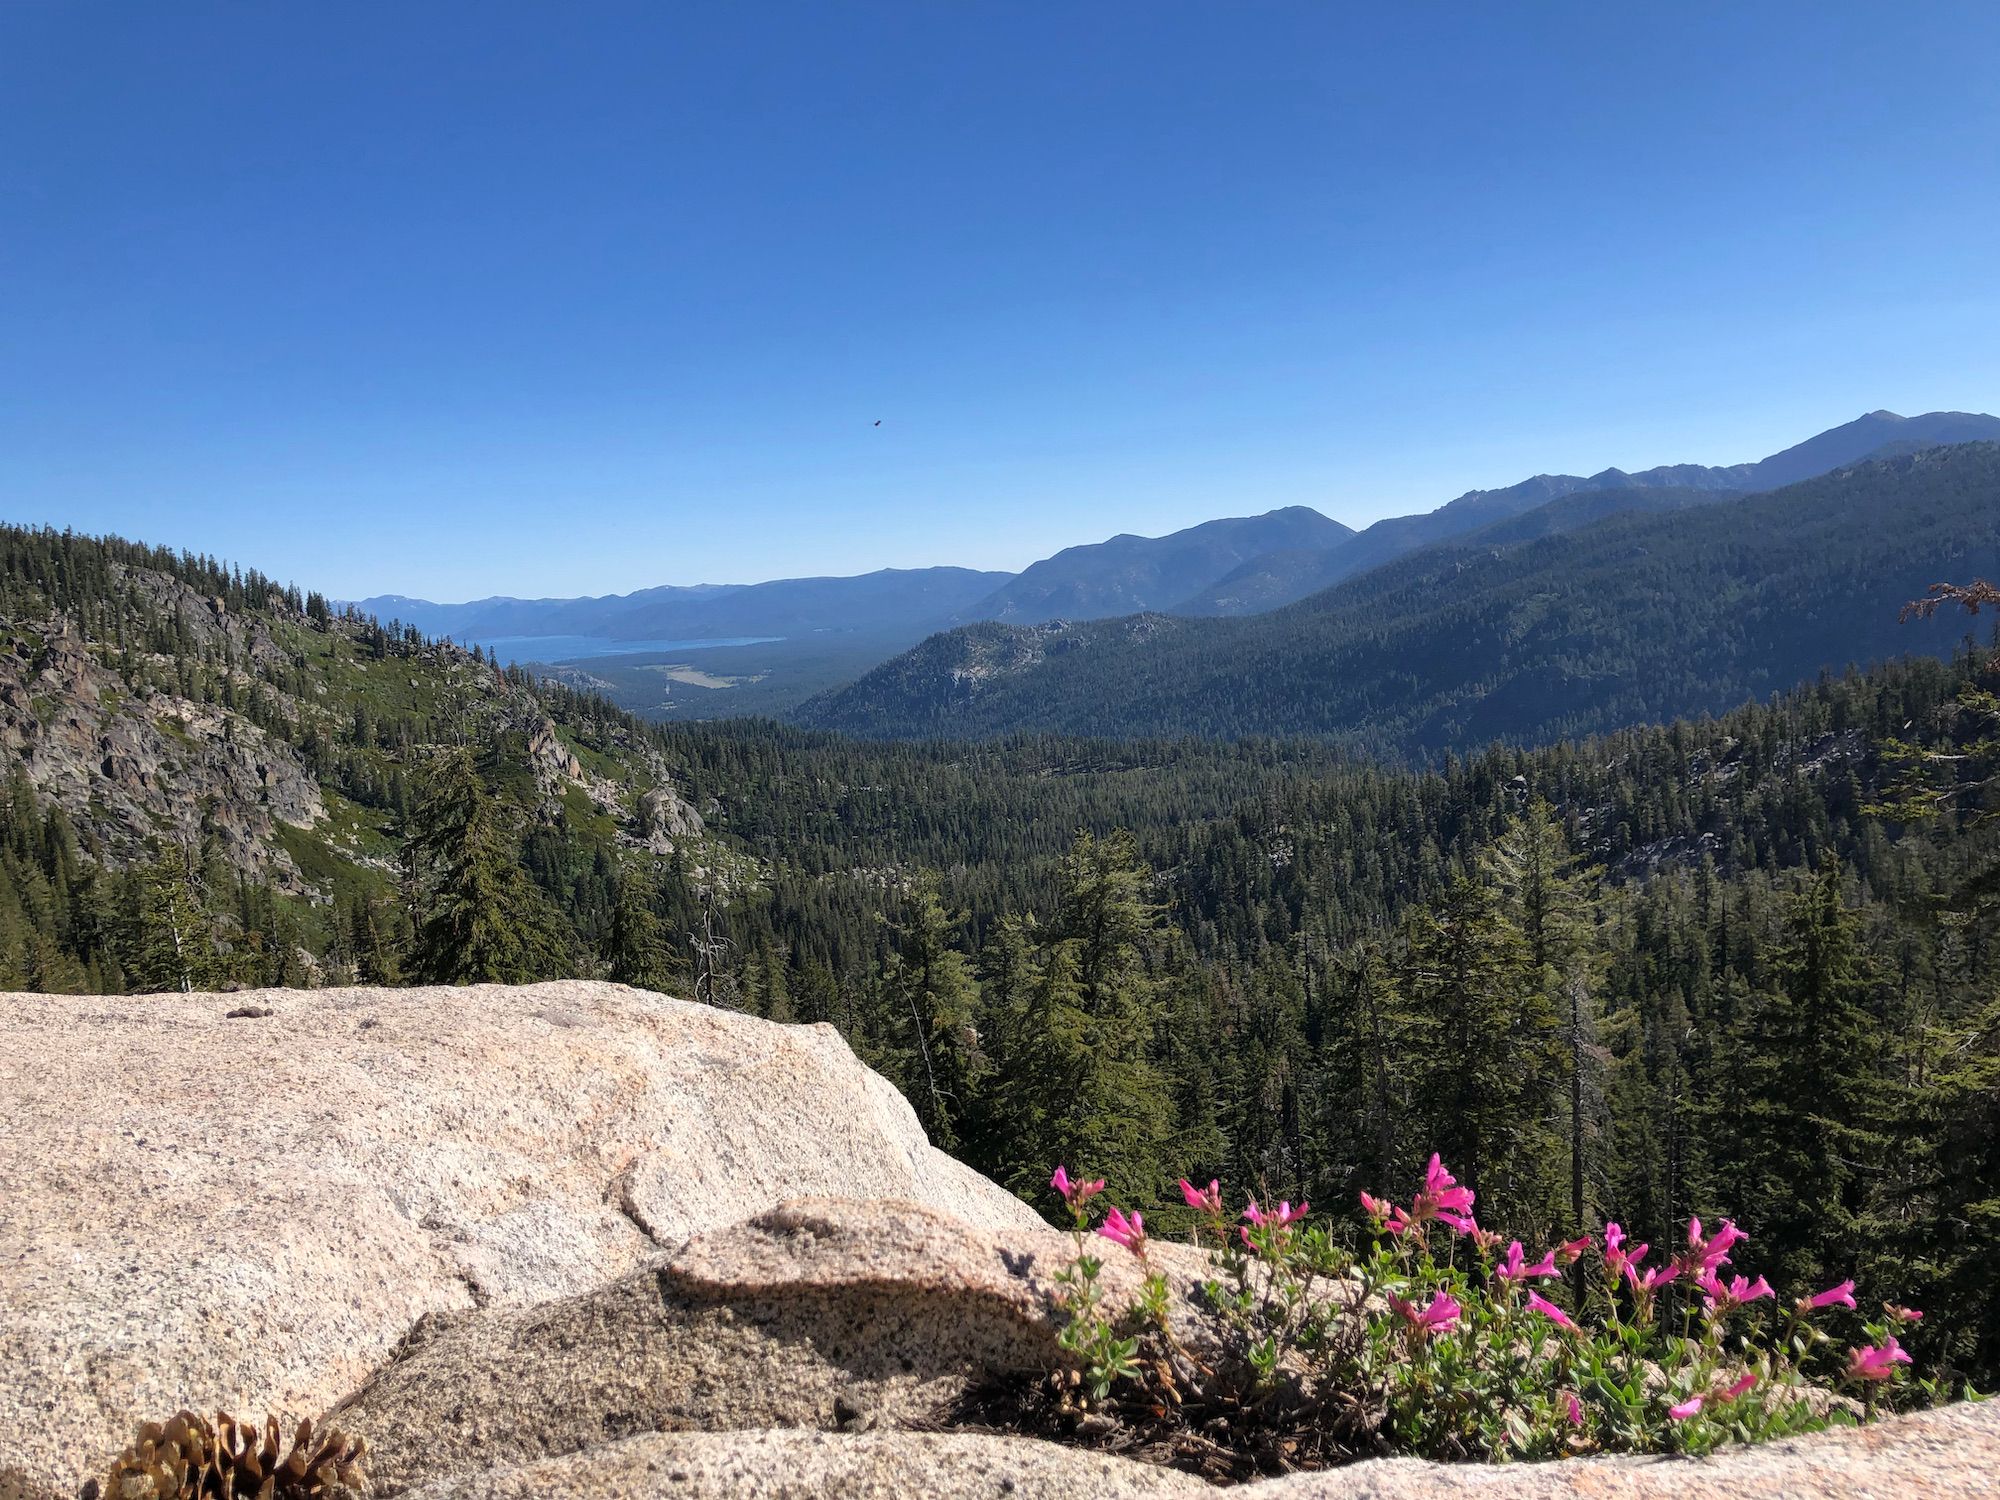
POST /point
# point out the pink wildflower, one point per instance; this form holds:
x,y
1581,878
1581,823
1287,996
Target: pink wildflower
x,y
1902,1314
1721,1299
1645,1284
1517,1268
1442,1312
1706,1256
1461,1223
1843,1294
1441,1190
1377,1209
1548,1309
1617,1259
1694,1404
1877,1363
1574,1250
1127,1231
1275,1220
1575,1408
1208,1199
1075,1193
1724,1237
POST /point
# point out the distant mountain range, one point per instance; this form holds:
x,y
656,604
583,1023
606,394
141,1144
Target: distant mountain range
x,y
890,599
834,628
1266,583
1130,574
1528,630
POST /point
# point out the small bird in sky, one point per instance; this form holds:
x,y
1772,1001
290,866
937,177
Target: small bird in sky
x,y
878,421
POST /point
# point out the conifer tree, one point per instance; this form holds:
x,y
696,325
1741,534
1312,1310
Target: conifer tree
x,y
933,1001
1490,1070
816,996
1108,1102
481,921
1533,871
369,946
1365,1070
1935,1234
1011,1132
636,941
1812,1143
174,942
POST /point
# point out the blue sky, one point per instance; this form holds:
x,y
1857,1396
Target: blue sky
x,y
454,301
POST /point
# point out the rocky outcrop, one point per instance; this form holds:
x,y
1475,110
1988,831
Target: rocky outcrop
x,y
555,765
792,1465
256,1211
575,1239
138,770
658,818
836,1314
664,817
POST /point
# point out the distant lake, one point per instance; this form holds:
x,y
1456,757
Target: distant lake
x,y
513,648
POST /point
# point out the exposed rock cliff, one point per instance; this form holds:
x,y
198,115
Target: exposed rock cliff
x,y
130,769
577,1239
264,735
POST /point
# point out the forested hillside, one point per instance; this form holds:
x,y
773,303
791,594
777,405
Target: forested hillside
x,y
1740,965
213,779
1633,618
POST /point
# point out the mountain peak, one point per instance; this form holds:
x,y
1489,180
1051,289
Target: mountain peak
x,y
1129,575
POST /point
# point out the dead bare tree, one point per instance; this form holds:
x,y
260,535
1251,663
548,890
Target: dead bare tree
x,y
1974,596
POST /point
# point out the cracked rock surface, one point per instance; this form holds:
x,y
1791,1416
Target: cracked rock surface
x,y
254,1212
1941,1455
829,1313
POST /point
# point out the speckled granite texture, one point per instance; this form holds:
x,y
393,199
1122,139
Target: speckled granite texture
x,y
254,1212
1945,1455
820,1313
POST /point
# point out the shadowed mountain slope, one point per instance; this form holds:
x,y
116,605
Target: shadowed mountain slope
x,y
1128,574
1633,618
1269,582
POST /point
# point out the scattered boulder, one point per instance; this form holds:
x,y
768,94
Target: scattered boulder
x,y
555,764
664,817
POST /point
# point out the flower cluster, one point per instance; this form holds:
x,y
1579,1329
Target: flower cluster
x,y
1468,1349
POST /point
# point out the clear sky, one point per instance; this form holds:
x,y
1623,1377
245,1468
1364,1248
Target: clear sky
x,y
578,298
